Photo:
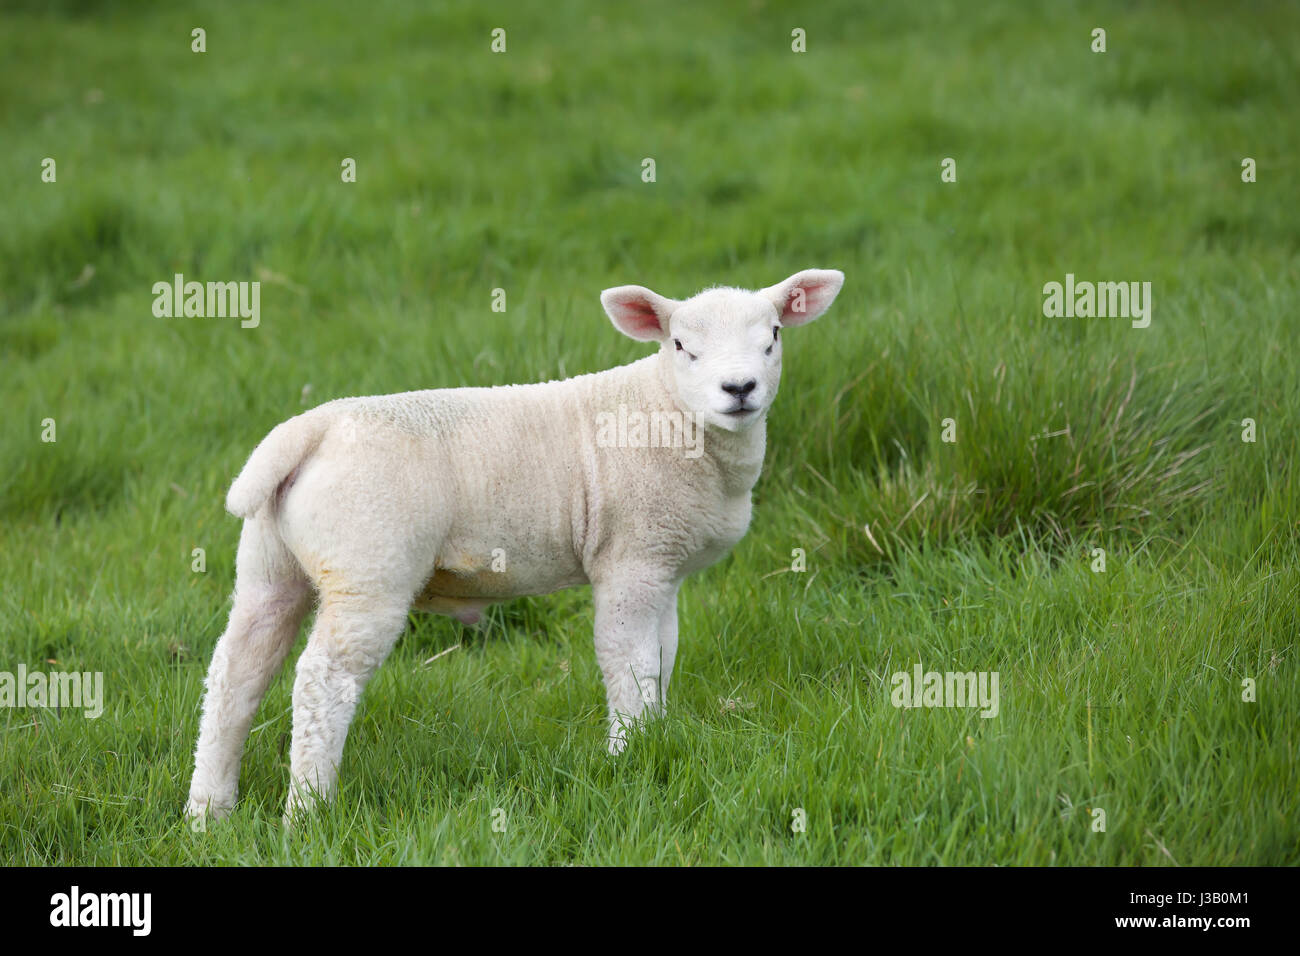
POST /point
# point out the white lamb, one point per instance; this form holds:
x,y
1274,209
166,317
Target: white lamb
x,y
453,499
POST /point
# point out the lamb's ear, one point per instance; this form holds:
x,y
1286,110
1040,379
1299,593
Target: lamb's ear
x,y
639,313
805,295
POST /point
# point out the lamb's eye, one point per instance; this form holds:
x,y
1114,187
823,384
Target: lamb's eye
x,y
678,343
776,333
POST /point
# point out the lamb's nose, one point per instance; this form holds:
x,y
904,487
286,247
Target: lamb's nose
x,y
740,391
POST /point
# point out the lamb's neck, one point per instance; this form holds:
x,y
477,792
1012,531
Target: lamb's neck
x,y
737,455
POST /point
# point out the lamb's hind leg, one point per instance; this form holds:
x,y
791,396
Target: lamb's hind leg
x,y
270,601
351,637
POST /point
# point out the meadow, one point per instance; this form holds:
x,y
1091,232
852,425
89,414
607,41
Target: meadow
x,y
1161,691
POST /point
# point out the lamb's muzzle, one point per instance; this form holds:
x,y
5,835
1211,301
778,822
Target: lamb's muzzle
x,y
451,500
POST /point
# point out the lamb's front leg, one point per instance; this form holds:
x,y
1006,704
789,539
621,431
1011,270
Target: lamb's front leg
x,y
629,609
667,647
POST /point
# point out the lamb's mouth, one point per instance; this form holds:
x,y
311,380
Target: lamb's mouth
x,y
741,412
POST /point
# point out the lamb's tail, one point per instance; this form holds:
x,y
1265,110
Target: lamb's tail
x,y
272,461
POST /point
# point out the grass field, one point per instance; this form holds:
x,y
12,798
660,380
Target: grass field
x,y
1121,690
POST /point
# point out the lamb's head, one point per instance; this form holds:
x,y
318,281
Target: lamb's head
x,y
722,348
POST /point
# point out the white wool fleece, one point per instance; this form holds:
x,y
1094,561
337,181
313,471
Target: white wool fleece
x,y
453,499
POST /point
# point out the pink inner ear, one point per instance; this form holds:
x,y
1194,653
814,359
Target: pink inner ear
x,y
638,317
814,296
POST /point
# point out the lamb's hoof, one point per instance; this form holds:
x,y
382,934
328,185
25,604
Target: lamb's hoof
x,y
617,740
199,811
299,807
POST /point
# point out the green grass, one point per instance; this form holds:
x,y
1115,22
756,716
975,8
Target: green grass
x,y
1121,690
